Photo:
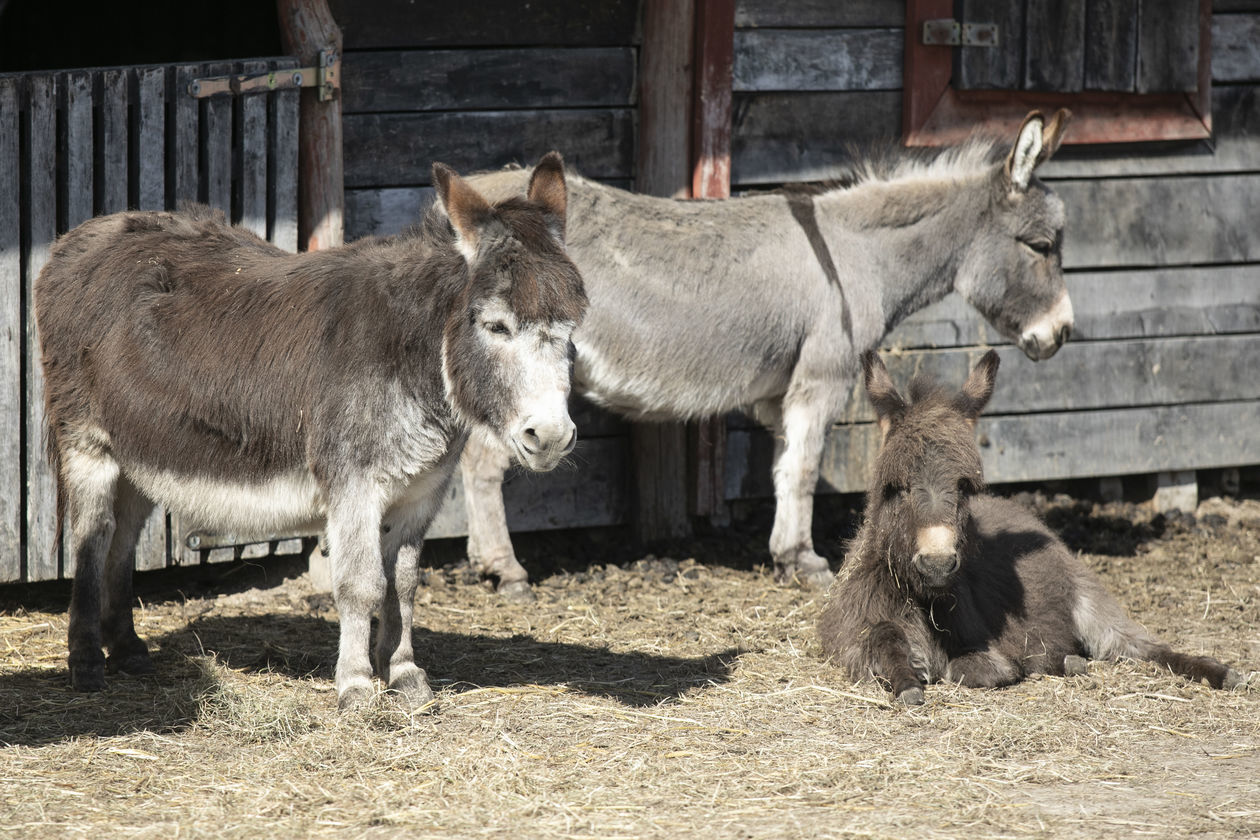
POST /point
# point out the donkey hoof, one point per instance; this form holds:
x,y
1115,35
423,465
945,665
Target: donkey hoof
x,y
1232,680
134,664
912,696
516,591
806,570
1075,666
412,690
355,698
87,676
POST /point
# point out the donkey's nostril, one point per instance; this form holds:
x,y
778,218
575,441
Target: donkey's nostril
x,y
1065,332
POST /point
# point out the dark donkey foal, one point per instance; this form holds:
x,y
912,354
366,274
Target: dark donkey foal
x,y
192,364
943,581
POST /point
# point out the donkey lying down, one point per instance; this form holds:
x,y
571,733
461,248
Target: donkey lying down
x,y
945,582
192,364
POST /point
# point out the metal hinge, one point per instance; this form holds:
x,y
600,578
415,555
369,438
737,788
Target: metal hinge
x,y
326,78
945,32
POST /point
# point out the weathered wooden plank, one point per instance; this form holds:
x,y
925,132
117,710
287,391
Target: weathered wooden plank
x,y
458,80
1000,67
811,14
1236,48
40,172
1111,45
76,203
779,137
829,59
1036,447
1167,46
216,143
11,478
1235,146
376,24
112,175
1054,45
251,156
594,495
150,140
1161,221
1092,375
183,176
1144,303
399,149
666,93
283,137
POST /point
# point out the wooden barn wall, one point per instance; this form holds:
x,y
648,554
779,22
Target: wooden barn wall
x,y
480,86
1162,254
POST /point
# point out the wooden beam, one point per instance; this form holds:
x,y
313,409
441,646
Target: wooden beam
x,y
306,28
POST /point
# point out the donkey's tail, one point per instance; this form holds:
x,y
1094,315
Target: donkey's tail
x,y
1107,632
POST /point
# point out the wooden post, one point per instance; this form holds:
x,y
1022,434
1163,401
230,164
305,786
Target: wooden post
x,y
306,28
711,178
659,450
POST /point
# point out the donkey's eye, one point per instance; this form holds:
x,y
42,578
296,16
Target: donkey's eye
x,y
891,491
498,328
1041,246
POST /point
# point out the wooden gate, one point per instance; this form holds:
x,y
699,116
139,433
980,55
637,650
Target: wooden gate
x,y
79,143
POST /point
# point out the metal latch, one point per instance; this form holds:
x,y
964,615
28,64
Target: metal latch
x,y
326,78
945,32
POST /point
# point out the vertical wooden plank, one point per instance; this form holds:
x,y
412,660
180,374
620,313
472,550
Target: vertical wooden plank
x,y
39,167
182,168
10,336
1111,45
282,163
150,138
112,174
252,119
1054,45
216,143
1167,46
1000,67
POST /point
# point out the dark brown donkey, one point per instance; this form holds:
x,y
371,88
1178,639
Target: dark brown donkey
x,y
192,364
945,582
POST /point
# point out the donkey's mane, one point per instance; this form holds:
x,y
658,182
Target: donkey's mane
x,y
890,162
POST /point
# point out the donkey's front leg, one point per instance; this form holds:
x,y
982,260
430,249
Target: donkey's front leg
x,y
354,542
489,544
395,660
798,445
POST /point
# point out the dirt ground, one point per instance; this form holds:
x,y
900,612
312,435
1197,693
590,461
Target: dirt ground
x,y
678,694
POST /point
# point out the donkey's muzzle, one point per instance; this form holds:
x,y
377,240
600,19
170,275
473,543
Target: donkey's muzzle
x,y
540,445
1045,336
936,570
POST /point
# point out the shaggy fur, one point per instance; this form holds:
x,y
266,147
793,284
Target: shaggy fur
x,y
1004,598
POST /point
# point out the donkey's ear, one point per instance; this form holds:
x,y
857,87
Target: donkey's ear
x,y
1025,154
1052,135
889,406
978,387
464,206
547,187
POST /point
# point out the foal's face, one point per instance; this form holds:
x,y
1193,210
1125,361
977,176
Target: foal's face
x,y
926,474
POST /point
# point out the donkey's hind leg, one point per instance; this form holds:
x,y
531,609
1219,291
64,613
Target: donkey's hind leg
x,y
127,653
489,544
982,669
89,478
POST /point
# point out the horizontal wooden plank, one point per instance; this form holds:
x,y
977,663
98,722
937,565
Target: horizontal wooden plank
x,y
818,13
1036,447
387,150
590,494
374,24
1113,304
1236,48
1161,221
778,137
818,59
436,80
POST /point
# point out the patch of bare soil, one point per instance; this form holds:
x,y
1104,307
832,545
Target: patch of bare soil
x,y
678,694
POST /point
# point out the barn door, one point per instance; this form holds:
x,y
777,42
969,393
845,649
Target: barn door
x,y
79,143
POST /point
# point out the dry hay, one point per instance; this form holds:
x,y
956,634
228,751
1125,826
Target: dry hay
x,y
647,699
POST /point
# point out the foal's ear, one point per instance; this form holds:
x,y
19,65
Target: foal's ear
x,y
889,406
464,206
978,387
547,187
1034,144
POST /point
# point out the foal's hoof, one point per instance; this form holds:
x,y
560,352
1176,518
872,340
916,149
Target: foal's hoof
x,y
912,696
1232,680
412,690
87,676
134,664
516,592
355,698
1075,666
